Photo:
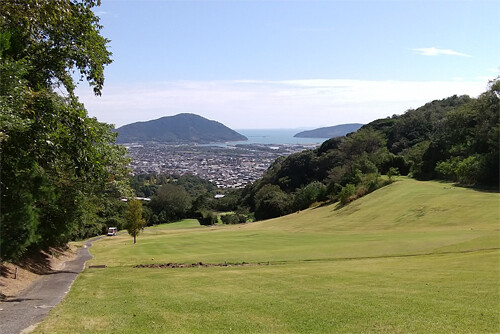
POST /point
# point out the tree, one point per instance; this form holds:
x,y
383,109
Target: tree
x,y
207,218
272,202
313,192
133,218
171,202
54,38
58,165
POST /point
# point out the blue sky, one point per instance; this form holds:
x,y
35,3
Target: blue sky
x,y
291,64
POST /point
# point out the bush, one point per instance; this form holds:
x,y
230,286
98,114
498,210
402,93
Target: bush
x,y
466,171
361,191
207,218
393,171
470,169
313,192
346,194
233,219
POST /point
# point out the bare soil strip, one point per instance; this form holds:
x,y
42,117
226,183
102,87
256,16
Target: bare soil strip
x,y
196,265
239,264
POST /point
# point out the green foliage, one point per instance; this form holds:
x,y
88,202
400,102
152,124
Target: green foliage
x,y
207,218
313,192
466,171
170,203
415,157
346,194
227,203
467,142
55,37
393,172
59,167
176,197
272,202
133,217
233,218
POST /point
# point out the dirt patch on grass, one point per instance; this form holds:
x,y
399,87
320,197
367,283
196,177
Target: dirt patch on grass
x,y
197,265
14,278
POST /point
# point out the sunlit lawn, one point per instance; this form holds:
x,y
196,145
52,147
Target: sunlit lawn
x,y
426,262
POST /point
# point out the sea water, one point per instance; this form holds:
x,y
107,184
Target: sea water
x,y
275,136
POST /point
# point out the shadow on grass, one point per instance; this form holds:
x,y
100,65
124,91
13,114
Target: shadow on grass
x,y
494,189
480,188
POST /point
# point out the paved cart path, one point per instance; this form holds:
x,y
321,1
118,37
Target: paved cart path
x,y
23,312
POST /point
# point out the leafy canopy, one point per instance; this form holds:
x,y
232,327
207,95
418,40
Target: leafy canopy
x,y
60,168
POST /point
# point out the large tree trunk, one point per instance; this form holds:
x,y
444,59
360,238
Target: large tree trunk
x,y
134,239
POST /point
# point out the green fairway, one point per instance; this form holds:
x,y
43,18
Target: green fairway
x,y
413,257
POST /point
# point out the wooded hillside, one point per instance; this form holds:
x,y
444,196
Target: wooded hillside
x,y
455,139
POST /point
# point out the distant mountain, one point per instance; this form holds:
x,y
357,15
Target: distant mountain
x,y
330,131
181,128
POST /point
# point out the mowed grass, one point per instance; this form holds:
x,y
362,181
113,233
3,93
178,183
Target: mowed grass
x,y
413,257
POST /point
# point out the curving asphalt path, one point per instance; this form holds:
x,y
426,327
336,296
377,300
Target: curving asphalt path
x,y
22,313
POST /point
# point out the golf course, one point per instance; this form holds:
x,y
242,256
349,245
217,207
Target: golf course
x,y
411,257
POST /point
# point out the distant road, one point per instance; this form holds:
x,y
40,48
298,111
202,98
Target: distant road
x,y
20,314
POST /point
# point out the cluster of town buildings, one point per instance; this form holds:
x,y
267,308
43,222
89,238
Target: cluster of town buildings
x,y
226,166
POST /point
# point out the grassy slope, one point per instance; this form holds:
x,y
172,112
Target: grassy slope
x,y
411,257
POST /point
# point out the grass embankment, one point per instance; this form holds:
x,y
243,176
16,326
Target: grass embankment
x,y
412,257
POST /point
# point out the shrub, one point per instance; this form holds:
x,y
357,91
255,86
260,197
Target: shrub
x,y
393,171
207,218
345,195
313,192
361,191
470,169
233,219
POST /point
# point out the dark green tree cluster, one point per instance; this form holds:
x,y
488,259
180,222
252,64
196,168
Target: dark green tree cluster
x,y
60,169
465,148
175,197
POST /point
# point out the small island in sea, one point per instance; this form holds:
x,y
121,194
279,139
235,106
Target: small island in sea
x,y
330,131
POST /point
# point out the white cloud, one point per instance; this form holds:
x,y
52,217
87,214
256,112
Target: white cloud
x,y
437,52
247,104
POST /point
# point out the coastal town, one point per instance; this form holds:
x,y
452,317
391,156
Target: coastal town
x,y
225,165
